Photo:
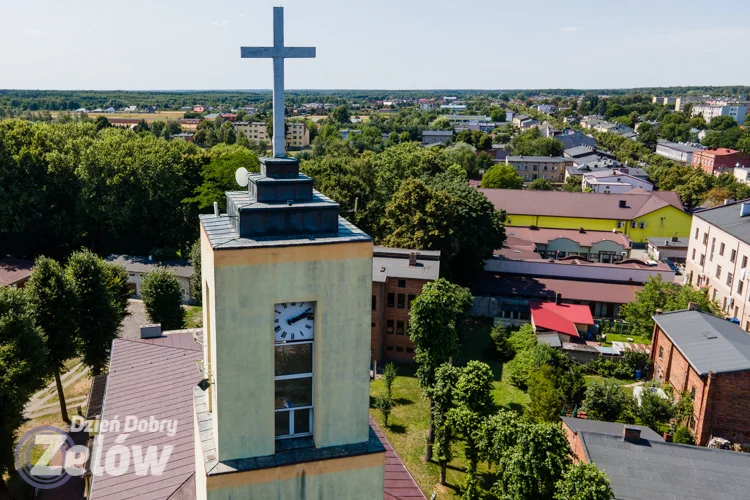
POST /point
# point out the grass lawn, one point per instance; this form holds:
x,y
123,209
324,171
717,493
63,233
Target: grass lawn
x,y
637,339
409,419
193,317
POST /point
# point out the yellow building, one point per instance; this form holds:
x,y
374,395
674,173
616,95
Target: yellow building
x,y
297,133
636,213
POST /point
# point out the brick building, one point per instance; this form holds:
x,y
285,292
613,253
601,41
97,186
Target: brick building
x,y
398,276
710,358
717,161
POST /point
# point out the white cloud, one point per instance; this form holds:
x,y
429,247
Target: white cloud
x,y
220,24
34,31
568,29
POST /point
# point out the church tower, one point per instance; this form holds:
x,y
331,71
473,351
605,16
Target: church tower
x,y
282,412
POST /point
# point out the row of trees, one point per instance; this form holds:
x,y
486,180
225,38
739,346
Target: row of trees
x,y
64,312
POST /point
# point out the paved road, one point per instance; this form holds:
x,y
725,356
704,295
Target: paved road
x,y
131,327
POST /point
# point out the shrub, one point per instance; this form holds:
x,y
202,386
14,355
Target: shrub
x,y
500,342
604,401
519,368
162,298
682,435
522,339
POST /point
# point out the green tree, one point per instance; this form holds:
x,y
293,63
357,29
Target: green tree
x,y
341,114
218,176
666,296
23,355
647,135
385,405
196,281
655,410
545,404
474,388
102,122
497,115
404,137
584,481
51,299
682,435
433,321
540,185
502,176
162,297
604,401
573,184
722,123
500,342
465,156
485,161
442,395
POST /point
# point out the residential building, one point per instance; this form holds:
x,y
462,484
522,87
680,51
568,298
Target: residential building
x,y
614,182
466,119
608,166
437,137
198,108
615,128
717,161
718,256
232,117
297,133
570,322
741,174
130,109
712,109
110,110
124,122
454,107
544,244
680,103
346,133
547,130
551,168
523,121
545,108
138,267
574,139
674,249
15,272
681,153
398,276
641,465
189,124
709,358
636,213
666,101
584,154
500,152
185,136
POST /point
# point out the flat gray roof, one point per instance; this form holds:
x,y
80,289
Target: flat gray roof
x,y
136,264
708,343
659,470
549,159
728,219
677,147
444,133
394,263
607,428
669,242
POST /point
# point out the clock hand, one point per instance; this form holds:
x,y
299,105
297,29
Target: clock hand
x,y
299,316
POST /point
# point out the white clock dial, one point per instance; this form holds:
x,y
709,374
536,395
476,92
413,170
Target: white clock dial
x,y
293,321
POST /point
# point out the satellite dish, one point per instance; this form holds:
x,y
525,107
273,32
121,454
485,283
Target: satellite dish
x,y
241,176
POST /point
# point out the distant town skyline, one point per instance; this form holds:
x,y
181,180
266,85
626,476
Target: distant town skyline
x,y
389,45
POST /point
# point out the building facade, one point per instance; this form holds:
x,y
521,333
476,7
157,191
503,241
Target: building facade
x,y
707,357
430,137
398,276
138,267
712,109
717,161
297,133
681,153
614,182
551,168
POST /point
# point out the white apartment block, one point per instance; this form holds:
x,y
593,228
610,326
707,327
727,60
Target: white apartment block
x,y
718,255
736,110
682,153
297,133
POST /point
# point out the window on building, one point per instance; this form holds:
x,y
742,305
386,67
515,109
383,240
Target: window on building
x,y
620,224
714,295
730,279
410,300
744,261
721,248
733,256
642,225
402,283
410,350
693,257
294,388
697,231
401,301
740,286
661,352
374,302
400,330
389,348
703,259
633,225
372,324
389,326
391,300
718,272
399,348
713,244
724,304
705,238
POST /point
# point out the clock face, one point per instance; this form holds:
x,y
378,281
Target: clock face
x,y
293,321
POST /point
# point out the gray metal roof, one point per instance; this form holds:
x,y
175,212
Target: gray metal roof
x,y
669,242
608,428
685,148
551,339
135,264
666,471
442,133
548,159
394,263
707,342
728,219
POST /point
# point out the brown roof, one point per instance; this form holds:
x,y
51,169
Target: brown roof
x,y
96,397
151,377
545,288
587,205
399,483
13,271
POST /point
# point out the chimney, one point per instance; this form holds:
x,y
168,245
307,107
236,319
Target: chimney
x,y
675,238
151,331
744,209
666,243
216,208
631,434
658,312
412,259
623,204
692,306
558,298
581,230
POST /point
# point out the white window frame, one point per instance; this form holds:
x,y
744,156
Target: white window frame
x,y
633,225
642,225
311,376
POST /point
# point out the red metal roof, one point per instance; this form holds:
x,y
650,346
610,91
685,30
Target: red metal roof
x,y
399,484
560,317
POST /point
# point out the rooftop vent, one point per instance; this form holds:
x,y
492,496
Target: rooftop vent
x,y
412,258
631,434
623,204
151,331
744,209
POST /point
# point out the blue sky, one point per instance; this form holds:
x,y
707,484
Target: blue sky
x,y
381,44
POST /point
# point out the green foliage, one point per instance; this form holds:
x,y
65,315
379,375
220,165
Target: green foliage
x,y
502,176
520,368
162,297
722,123
531,143
385,405
218,175
463,154
545,404
99,294
573,184
611,368
684,408
655,410
666,296
389,376
523,339
341,114
682,435
22,368
604,401
196,281
584,481
500,342
540,185
647,135
474,388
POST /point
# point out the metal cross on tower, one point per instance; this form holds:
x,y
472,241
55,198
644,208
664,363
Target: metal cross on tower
x,y
278,53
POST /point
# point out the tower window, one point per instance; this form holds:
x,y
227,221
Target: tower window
x,y
293,402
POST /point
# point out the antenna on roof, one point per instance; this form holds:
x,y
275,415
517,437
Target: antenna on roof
x,y
241,176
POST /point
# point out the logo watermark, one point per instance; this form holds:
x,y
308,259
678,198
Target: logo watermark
x,y
47,457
